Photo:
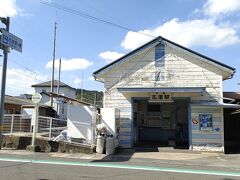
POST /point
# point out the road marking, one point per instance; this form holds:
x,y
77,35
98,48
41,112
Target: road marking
x,y
122,166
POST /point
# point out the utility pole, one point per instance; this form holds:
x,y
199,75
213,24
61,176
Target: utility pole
x,y
53,63
5,21
58,87
59,75
82,88
95,99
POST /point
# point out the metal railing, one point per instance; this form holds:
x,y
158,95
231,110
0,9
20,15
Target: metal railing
x,y
46,127
50,127
13,123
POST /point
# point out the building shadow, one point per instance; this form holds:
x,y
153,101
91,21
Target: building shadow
x,y
120,155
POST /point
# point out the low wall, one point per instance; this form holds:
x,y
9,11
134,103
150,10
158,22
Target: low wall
x,y
22,142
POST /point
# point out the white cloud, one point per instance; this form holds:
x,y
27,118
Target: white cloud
x,y
71,64
9,8
201,32
221,7
19,81
91,78
110,56
77,82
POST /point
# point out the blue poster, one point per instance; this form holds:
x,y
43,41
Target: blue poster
x,y
205,121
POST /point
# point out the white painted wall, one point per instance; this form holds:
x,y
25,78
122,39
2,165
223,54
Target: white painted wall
x,y
111,119
65,91
179,68
81,121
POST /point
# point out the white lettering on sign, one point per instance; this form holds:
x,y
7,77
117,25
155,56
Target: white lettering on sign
x,y
11,40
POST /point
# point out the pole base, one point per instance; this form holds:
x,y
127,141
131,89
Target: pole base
x,y
33,148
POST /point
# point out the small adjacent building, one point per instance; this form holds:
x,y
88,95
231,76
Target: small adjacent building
x,y
13,105
59,102
167,94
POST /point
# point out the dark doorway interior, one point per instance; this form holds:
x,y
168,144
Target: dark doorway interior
x,y
161,124
231,131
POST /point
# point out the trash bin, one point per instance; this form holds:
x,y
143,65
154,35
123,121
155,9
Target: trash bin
x,y
100,143
110,145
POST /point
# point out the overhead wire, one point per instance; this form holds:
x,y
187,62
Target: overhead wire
x,y
23,66
25,30
96,9
23,74
91,17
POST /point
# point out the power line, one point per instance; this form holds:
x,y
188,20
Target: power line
x,y
23,66
23,74
84,15
96,9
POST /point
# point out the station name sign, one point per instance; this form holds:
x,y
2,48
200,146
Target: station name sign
x,y
10,40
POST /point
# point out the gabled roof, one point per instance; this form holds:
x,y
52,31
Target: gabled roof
x,y
48,84
158,39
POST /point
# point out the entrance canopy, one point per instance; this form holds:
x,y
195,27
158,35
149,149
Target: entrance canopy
x,y
224,105
162,89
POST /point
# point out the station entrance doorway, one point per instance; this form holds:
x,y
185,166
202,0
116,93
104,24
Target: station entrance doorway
x,y
158,124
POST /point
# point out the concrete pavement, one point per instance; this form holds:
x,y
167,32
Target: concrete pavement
x,y
125,164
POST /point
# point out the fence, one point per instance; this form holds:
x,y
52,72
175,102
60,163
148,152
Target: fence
x,y
13,123
47,126
50,127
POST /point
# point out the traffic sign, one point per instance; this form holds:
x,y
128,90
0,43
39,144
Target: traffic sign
x,y
10,40
36,98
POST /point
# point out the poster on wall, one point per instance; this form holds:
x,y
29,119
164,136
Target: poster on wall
x,y
205,122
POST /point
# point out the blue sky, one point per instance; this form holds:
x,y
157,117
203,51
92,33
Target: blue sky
x,y
210,27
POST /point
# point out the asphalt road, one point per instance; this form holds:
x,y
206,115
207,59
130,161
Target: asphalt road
x,y
43,167
25,171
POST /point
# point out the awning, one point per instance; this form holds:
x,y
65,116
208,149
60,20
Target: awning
x,y
224,105
162,89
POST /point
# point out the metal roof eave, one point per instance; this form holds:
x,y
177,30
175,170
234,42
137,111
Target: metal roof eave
x,y
224,105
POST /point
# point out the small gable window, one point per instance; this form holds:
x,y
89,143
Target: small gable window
x,y
159,51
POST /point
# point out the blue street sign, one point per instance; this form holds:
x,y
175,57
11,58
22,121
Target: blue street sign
x,y
11,40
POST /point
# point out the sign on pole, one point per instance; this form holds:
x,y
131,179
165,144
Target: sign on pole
x,y
10,40
36,98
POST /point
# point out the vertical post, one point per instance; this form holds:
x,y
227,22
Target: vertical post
x,y
58,86
82,88
95,99
35,125
20,121
53,63
12,124
6,21
50,129
92,134
59,75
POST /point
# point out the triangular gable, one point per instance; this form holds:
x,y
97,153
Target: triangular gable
x,y
157,41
